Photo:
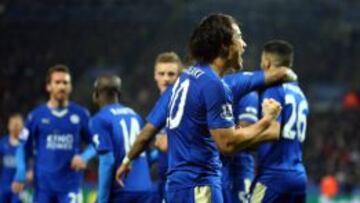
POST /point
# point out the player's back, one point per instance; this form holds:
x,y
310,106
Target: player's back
x,y
8,169
195,108
124,125
281,161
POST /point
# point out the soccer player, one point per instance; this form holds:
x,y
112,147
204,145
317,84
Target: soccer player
x,y
200,120
238,170
114,129
281,174
168,67
8,146
55,131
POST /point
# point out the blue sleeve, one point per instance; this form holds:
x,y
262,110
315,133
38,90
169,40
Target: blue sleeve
x,y
88,153
20,175
101,136
157,116
274,93
246,110
106,166
245,82
218,107
24,146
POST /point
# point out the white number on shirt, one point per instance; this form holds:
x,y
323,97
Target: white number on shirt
x,y
130,133
179,92
297,117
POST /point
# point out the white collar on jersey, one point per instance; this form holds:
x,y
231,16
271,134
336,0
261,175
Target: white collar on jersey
x,y
59,113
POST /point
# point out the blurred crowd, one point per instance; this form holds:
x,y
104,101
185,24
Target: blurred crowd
x,y
123,37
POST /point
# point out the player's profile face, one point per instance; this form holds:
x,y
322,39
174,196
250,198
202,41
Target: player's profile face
x,y
59,86
15,125
166,74
237,49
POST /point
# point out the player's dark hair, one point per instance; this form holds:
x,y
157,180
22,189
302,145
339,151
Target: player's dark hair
x,y
108,85
56,68
16,115
169,57
211,38
282,50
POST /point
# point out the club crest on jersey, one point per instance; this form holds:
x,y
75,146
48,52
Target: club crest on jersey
x,y
227,112
45,121
74,119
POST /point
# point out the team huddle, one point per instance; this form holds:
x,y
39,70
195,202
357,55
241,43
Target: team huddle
x,y
208,122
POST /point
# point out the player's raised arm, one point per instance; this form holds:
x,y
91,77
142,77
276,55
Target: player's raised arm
x,y
231,140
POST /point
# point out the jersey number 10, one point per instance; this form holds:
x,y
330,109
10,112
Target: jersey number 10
x,y
178,92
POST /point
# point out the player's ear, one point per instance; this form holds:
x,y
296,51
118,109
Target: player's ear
x,y
48,87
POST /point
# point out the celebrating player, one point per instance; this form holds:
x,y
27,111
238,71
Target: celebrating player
x,y
8,146
114,129
281,173
200,116
56,131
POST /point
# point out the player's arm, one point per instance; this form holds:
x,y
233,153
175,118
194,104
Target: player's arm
x,y
79,162
282,74
161,142
231,140
18,183
103,143
106,166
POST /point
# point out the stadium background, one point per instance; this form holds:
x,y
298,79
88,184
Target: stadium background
x,y
124,36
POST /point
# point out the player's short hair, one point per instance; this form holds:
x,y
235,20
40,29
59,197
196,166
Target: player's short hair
x,y
109,85
212,38
169,57
56,68
16,115
282,50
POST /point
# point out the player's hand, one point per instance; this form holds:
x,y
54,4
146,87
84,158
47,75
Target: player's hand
x,y
17,187
30,176
271,108
290,75
77,163
161,143
122,172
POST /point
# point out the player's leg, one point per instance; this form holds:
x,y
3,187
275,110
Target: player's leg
x,y
41,196
15,198
134,197
227,193
5,196
198,194
241,191
72,196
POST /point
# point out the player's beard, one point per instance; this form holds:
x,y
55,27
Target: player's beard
x,y
235,61
62,97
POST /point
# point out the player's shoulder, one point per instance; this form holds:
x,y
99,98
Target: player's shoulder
x,y
4,139
37,111
117,109
293,87
77,108
202,74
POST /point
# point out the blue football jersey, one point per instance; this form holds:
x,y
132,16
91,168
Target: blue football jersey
x,y
280,162
8,169
56,136
114,129
246,110
200,101
241,165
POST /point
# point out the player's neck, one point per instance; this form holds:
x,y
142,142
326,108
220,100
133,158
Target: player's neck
x,y
218,65
53,103
108,102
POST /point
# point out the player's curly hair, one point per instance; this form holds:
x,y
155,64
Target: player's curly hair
x,y
211,38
